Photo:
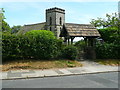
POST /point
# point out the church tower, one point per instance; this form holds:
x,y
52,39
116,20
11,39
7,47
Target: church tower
x,y
55,18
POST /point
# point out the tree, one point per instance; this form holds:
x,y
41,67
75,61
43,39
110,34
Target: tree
x,y
1,17
109,35
109,28
110,21
1,14
5,26
15,29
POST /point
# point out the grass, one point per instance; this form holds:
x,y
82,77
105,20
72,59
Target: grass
x,y
112,62
41,64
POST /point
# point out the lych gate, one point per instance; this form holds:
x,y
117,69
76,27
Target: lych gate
x,y
87,31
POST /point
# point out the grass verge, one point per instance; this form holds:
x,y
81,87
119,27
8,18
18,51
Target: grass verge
x,y
112,62
39,64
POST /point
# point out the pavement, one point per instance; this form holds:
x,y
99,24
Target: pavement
x,y
89,67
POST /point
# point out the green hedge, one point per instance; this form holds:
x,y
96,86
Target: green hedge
x,y
110,35
70,52
107,51
80,45
38,44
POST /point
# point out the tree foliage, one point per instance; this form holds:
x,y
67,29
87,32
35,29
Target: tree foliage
x,y
2,14
110,35
15,29
5,26
109,28
110,21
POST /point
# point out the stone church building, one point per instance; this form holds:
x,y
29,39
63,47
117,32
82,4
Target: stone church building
x,y
55,22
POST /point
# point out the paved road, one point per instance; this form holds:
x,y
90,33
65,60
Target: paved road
x,y
101,80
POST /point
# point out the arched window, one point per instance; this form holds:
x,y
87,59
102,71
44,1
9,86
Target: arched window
x,y
50,20
50,29
60,28
60,21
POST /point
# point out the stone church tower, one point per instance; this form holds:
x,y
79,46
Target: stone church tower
x,y
55,18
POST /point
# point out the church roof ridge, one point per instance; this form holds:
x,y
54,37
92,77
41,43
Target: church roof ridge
x,y
78,24
35,24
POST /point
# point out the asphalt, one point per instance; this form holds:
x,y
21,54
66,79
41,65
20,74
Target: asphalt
x,y
89,67
101,80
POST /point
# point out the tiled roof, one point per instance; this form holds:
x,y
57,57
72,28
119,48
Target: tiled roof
x,y
35,24
80,30
29,27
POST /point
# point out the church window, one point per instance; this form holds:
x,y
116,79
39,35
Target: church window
x,y
60,21
50,20
50,29
60,28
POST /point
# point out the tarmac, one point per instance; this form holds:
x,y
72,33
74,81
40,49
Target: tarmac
x,y
89,67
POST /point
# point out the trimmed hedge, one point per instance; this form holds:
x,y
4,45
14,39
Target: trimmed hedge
x,y
70,52
107,51
38,44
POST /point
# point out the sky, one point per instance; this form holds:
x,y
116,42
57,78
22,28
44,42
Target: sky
x,y
22,12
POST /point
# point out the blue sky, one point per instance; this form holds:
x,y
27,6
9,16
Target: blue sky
x,y
20,13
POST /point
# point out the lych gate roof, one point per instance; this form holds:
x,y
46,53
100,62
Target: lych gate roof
x,y
79,30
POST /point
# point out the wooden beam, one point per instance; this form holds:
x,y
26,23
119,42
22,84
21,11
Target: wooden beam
x,y
72,38
68,41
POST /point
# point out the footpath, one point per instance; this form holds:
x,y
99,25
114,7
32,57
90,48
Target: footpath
x,y
89,67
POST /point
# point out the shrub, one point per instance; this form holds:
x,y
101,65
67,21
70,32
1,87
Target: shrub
x,y
80,45
38,44
107,51
44,45
15,46
70,52
44,34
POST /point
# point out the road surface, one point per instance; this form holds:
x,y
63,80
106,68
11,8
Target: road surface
x,y
101,80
